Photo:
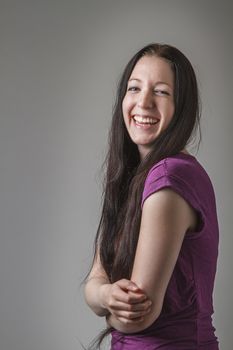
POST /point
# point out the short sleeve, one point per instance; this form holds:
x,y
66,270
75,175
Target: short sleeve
x,y
179,178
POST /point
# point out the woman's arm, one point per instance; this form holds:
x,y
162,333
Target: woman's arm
x,y
123,299
166,216
95,287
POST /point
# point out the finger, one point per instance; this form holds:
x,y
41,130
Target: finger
x,y
127,285
129,298
137,297
131,315
134,288
130,321
126,297
131,307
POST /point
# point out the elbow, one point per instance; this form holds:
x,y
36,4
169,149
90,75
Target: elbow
x,y
99,311
92,299
156,308
147,321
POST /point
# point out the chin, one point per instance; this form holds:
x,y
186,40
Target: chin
x,y
143,143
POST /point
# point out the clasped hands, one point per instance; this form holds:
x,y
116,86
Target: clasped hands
x,y
125,301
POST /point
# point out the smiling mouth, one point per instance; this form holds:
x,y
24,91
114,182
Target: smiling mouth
x,y
144,121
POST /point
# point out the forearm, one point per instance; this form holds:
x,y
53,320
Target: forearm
x,y
133,325
95,292
129,328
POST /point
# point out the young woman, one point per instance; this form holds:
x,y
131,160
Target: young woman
x,y
157,243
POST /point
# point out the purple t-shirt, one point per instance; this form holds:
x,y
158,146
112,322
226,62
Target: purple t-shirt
x,y
185,322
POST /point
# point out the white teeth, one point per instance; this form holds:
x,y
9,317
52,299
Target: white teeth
x,y
145,120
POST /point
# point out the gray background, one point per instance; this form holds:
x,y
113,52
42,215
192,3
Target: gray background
x,y
59,63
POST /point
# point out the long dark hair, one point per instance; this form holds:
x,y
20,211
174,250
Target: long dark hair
x,y
125,172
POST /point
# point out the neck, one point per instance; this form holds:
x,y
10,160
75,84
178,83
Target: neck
x,y
184,151
144,151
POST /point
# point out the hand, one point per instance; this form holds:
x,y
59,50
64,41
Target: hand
x,y
125,301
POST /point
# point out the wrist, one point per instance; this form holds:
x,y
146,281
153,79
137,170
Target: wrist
x,y
103,295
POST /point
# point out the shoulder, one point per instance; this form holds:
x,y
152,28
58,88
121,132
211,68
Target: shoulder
x,y
180,165
171,172
181,173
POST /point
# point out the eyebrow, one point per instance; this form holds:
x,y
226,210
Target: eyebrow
x,y
157,83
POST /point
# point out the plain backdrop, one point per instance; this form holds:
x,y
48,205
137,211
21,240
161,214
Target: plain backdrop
x,y
60,62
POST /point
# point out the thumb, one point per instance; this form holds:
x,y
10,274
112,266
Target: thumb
x,y
133,287
127,284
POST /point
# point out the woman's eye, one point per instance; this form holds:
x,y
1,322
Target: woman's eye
x,y
132,88
157,92
161,92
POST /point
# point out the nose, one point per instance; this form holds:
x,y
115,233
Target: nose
x,y
145,100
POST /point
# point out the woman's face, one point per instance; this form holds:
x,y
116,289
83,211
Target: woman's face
x,y
148,105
